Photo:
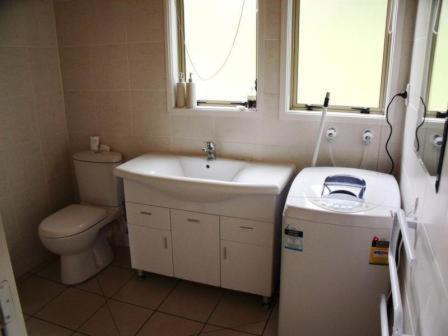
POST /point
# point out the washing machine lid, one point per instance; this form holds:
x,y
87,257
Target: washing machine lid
x,y
71,220
343,190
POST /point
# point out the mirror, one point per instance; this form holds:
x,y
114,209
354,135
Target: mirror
x,y
430,131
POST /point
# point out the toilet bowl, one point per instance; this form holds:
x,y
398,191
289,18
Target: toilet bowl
x,y
77,232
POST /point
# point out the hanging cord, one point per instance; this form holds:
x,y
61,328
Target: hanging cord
x,y
425,110
402,95
229,53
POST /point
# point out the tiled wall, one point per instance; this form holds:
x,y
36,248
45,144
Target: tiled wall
x,y
113,66
425,284
35,174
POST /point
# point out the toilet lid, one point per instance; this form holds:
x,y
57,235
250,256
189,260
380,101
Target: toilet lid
x,y
71,220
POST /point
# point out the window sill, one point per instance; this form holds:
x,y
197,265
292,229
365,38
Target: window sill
x,y
218,111
303,115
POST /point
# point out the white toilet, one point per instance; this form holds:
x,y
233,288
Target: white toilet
x,y
74,232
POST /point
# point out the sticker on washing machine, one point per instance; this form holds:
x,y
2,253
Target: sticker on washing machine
x,y
293,239
379,251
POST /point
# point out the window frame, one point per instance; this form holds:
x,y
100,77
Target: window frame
x,y
181,58
294,61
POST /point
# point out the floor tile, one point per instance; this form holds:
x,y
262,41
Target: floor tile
x,y
192,300
148,293
72,308
122,257
107,282
167,325
218,331
37,327
51,271
239,311
36,292
116,318
272,326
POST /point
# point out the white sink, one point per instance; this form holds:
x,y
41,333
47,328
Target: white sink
x,y
194,178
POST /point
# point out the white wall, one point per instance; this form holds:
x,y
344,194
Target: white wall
x,y
425,285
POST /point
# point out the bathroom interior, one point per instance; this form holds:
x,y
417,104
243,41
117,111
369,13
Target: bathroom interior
x,y
223,168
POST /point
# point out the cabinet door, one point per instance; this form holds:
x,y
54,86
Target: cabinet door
x,y
246,267
151,249
196,247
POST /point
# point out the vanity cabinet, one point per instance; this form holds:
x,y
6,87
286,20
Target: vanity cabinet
x,y
196,246
228,243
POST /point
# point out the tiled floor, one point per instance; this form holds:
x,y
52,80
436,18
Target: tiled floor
x,y
117,303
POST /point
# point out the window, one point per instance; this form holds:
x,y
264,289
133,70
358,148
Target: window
x,y
438,75
217,43
340,46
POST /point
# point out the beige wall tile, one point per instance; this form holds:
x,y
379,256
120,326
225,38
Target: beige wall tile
x,y
145,21
16,18
74,22
149,117
81,114
33,131
77,68
113,110
199,127
109,21
147,66
110,67
15,74
237,130
45,70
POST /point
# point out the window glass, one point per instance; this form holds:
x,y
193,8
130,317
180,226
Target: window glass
x,y
438,97
341,49
211,28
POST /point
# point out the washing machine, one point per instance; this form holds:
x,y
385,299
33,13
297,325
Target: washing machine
x,y
336,229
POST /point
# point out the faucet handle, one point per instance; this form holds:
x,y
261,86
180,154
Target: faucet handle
x,y
209,145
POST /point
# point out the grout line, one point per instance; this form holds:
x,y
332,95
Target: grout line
x,y
53,323
46,304
213,310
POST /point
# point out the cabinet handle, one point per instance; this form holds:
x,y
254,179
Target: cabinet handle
x,y
146,213
246,227
193,220
224,253
165,242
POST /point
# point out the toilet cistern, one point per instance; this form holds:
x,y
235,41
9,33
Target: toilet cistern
x,y
210,149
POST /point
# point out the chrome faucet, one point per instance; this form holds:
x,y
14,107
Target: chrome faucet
x,y
210,149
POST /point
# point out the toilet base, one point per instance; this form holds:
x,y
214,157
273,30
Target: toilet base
x,y
82,266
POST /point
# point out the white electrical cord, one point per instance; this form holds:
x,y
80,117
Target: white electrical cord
x,y
226,59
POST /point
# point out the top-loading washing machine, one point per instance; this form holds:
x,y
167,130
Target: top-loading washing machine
x,y
336,228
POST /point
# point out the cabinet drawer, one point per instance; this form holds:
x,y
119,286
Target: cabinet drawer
x,y
247,231
149,216
188,217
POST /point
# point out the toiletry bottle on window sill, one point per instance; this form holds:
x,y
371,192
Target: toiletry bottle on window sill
x,y
191,93
180,91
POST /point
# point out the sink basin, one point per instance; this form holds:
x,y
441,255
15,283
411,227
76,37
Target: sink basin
x,y
194,178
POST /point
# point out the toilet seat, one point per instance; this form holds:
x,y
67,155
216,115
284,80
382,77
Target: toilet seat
x,y
71,220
